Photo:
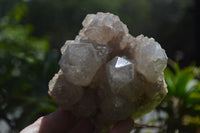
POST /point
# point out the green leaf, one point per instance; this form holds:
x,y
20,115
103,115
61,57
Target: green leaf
x,y
170,80
182,83
191,85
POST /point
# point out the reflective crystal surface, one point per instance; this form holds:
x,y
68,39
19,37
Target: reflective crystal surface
x,y
120,72
107,74
79,63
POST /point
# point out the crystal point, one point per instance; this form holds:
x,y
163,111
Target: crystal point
x,y
120,72
121,62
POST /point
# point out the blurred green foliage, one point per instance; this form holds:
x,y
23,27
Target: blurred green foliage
x,y
179,112
182,103
26,67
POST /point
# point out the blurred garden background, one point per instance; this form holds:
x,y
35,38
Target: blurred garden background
x,y
32,32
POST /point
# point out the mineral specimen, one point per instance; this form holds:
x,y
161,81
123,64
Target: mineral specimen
x,y
107,74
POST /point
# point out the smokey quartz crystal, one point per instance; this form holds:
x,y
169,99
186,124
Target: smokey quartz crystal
x,y
79,63
120,73
108,75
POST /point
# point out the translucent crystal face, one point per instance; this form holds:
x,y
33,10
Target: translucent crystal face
x,y
120,72
64,47
107,74
153,55
79,63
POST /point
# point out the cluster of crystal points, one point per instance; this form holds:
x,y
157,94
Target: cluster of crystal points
x,y
107,74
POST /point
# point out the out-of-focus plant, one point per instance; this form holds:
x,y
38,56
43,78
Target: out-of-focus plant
x,y
26,67
183,100
180,110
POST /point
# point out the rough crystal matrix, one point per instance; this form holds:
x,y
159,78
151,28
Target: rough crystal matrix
x,y
107,74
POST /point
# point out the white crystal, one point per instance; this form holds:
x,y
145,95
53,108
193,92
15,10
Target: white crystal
x,y
122,62
150,58
82,39
103,51
79,63
103,27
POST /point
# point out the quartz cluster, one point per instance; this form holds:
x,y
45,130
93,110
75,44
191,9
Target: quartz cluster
x,y
107,74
